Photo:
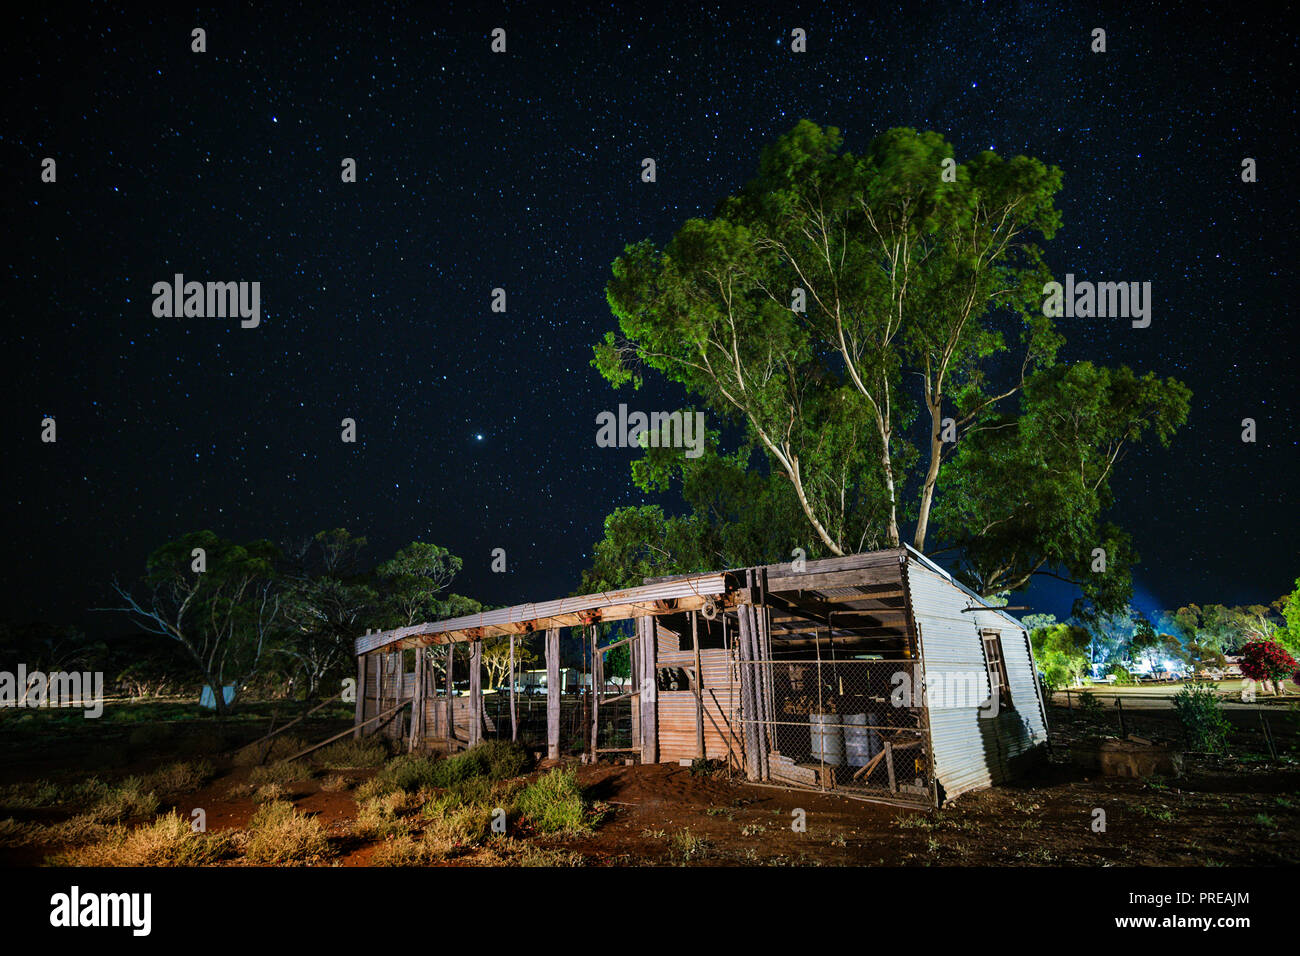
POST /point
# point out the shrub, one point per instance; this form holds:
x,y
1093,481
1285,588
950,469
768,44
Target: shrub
x,y
30,795
130,798
407,850
553,803
1122,674
492,760
1198,709
269,793
181,777
335,782
378,817
280,835
352,754
277,748
1089,706
687,846
284,772
168,841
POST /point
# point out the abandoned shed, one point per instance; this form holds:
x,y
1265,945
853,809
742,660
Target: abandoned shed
x,y
875,675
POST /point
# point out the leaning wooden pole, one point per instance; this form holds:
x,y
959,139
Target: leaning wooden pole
x,y
699,685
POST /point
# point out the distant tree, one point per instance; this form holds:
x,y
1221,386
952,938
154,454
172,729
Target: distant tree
x,y
1061,651
496,658
328,605
225,616
412,580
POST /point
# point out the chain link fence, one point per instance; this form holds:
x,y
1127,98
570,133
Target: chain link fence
x,y
854,726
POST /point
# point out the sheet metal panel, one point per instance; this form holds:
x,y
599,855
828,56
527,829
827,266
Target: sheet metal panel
x,y
971,751
708,584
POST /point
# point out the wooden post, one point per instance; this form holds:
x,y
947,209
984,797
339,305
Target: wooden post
x,y
648,648
699,688
417,704
451,706
597,683
634,683
476,693
514,720
361,696
553,693
748,697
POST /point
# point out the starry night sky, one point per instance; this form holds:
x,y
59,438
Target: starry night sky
x,y
522,171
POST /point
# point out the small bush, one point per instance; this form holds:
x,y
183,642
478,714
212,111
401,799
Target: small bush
x,y
406,850
554,804
335,783
31,795
280,835
269,793
168,841
277,748
130,798
352,754
1198,709
181,777
686,846
1123,676
284,772
1090,708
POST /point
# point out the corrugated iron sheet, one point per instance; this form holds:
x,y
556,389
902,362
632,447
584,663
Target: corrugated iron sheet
x,y
701,585
969,751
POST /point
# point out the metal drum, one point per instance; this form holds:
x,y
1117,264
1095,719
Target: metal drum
x,y
860,744
827,740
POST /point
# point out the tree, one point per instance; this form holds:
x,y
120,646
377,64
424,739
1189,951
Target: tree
x,y
1061,651
223,615
836,298
1289,634
1028,494
496,658
412,580
328,603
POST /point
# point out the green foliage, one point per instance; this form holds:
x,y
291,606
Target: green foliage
x,y
553,803
1198,709
1061,651
413,579
1090,708
918,292
1123,676
492,760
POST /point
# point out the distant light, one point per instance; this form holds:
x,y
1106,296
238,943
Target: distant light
x,y
479,437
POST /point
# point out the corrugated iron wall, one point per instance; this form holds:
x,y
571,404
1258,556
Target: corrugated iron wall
x,y
971,751
677,709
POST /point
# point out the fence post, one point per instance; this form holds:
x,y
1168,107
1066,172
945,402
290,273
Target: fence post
x,y
1119,707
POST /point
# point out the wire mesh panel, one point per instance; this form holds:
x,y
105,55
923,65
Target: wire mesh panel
x,y
855,726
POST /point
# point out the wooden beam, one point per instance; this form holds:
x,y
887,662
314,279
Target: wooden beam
x,y
699,686
514,719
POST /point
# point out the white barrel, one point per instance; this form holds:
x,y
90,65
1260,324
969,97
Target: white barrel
x,y
860,744
827,740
